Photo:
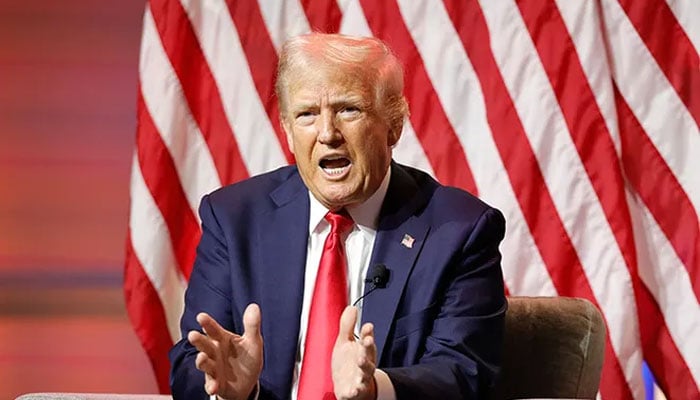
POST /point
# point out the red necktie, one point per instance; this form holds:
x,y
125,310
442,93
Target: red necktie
x,y
329,299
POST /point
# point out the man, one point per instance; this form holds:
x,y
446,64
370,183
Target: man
x,y
433,327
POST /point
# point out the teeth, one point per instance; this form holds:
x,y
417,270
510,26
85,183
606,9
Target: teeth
x,y
334,171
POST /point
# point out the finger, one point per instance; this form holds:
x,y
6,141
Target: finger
x,y
367,367
211,327
363,379
347,324
367,330
202,343
252,318
367,341
205,364
211,386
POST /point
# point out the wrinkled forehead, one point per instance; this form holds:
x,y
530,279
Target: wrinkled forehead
x,y
328,79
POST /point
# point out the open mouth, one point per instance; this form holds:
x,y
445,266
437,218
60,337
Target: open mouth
x,y
335,166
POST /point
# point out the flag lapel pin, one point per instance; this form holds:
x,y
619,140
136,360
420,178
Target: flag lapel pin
x,y
407,241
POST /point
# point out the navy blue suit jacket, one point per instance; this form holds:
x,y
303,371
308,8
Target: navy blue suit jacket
x,y
438,323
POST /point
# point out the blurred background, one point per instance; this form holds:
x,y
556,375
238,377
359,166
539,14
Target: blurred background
x,y
68,79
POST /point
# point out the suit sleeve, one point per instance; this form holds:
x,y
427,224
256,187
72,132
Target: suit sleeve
x,y
463,349
208,290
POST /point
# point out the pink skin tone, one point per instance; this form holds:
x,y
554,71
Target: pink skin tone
x,y
341,143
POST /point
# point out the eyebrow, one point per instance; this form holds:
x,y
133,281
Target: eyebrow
x,y
351,99
334,102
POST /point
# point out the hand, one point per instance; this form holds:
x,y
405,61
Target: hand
x,y
231,363
354,361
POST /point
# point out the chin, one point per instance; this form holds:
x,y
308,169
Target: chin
x,y
339,201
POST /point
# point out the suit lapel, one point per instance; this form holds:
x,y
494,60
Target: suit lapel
x,y
399,240
283,236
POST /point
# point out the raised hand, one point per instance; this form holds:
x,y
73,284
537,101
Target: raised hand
x,y
231,363
354,360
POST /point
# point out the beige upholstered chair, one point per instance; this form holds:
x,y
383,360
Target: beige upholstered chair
x,y
553,348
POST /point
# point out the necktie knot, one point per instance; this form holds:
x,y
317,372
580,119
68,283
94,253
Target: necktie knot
x,y
340,221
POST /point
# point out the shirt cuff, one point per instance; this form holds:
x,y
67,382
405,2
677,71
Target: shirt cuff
x,y
385,389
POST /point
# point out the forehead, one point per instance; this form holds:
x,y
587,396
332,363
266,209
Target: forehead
x,y
333,82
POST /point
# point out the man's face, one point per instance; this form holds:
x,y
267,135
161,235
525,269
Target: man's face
x,y
341,143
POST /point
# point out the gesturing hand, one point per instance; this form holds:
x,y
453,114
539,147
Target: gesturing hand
x,y
354,361
231,363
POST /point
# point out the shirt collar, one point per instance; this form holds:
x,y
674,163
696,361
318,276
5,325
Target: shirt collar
x,y
365,215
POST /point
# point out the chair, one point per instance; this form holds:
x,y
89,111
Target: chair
x,y
553,348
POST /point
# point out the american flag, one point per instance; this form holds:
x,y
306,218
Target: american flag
x,y
578,119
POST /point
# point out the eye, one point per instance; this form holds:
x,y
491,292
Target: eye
x,y
349,112
305,117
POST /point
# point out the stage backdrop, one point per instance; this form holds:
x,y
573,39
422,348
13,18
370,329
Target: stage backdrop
x,y
578,119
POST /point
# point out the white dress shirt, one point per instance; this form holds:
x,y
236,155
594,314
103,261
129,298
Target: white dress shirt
x,y
358,251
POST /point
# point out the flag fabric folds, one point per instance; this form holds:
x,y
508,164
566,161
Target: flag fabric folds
x,y
578,119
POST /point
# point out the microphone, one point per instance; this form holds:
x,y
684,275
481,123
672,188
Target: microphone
x,y
378,277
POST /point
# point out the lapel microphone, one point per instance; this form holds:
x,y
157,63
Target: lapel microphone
x,y
378,277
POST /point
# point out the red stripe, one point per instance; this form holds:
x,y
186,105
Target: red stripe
x,y
199,87
594,144
526,178
586,124
147,316
670,46
663,195
262,59
434,131
323,15
159,173
667,364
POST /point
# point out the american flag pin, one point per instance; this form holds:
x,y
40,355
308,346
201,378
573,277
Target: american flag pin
x,y
407,241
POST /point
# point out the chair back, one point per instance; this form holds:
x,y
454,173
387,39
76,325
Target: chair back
x,y
553,348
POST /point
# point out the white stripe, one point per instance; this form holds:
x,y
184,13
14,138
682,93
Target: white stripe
x,y
165,103
152,247
687,13
660,283
568,183
344,5
597,67
284,19
354,21
658,394
669,283
662,115
410,152
582,20
459,90
244,111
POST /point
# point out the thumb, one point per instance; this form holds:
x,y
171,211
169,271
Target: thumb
x,y
252,319
347,324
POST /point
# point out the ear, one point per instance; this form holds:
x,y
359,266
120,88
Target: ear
x,y
394,135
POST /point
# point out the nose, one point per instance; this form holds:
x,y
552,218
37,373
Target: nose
x,y
328,132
